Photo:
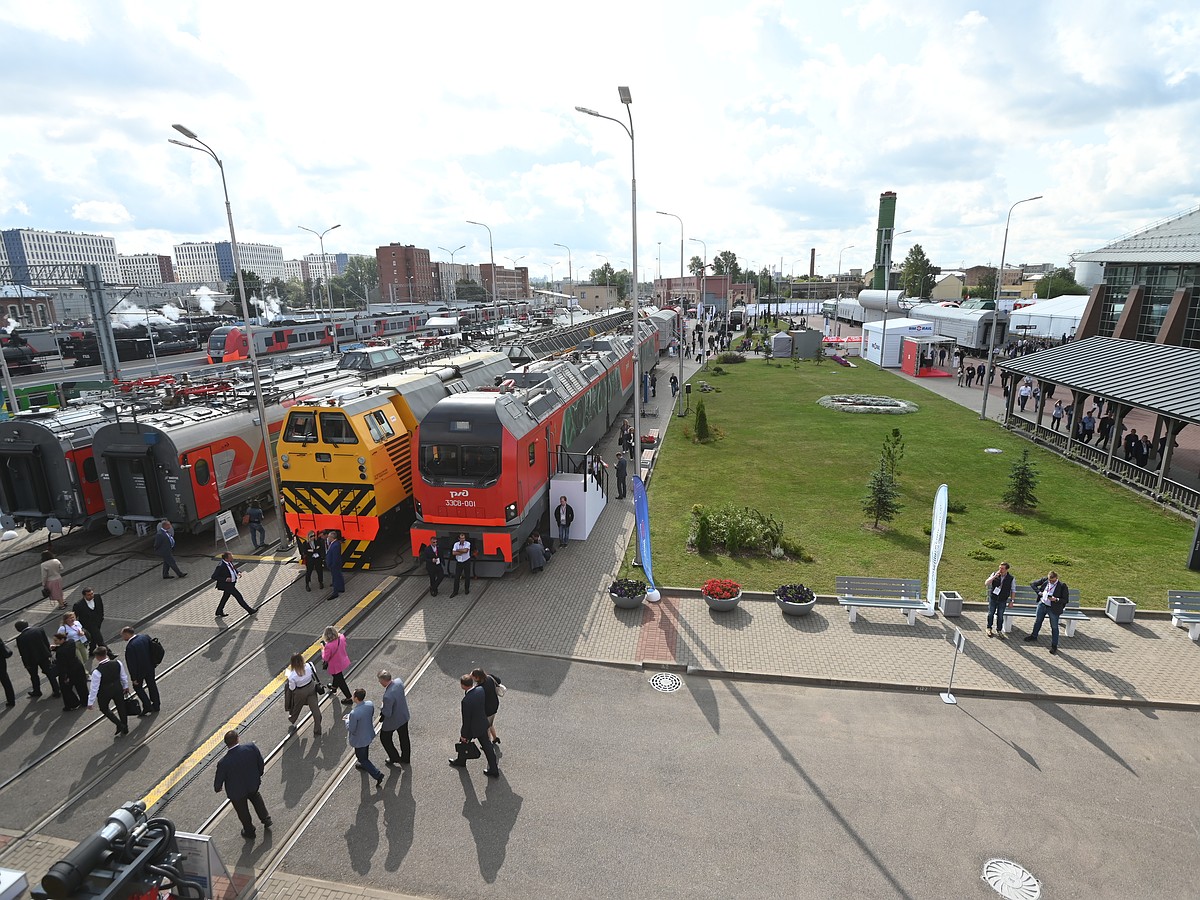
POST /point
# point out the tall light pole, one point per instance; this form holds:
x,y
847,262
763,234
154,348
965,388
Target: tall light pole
x,y
700,311
514,265
453,273
683,311
891,235
268,449
492,257
325,272
987,380
837,291
570,278
627,99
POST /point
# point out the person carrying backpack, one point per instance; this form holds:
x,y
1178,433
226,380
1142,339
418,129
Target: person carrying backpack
x,y
142,656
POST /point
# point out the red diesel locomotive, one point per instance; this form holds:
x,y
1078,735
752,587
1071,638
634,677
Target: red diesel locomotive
x,y
485,458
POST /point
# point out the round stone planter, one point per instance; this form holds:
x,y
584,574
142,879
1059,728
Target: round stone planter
x,y
796,609
722,605
627,602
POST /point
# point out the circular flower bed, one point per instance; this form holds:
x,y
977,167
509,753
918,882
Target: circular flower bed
x,y
867,403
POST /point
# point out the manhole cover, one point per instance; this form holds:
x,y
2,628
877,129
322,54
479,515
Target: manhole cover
x,y
1010,880
666,682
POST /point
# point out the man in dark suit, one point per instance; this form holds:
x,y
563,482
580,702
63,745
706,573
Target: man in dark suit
x,y
10,698
140,663
475,726
1052,600
240,773
226,576
333,562
622,472
34,647
433,565
90,612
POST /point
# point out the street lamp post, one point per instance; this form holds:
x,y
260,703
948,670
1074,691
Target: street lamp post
x,y
700,311
325,274
682,312
268,449
987,380
492,257
891,235
570,278
454,275
514,266
838,288
627,100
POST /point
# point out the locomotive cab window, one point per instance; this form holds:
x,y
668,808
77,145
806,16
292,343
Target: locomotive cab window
x,y
380,428
90,475
480,462
439,460
532,453
301,428
335,429
201,471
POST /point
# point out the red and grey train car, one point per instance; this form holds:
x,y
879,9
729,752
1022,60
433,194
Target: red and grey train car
x,y
47,470
191,463
485,458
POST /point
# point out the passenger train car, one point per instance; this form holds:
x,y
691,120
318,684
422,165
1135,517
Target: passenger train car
x,y
47,469
190,463
970,326
345,459
485,458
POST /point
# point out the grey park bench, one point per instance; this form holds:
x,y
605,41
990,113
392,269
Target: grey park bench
x,y
1184,607
1025,604
903,594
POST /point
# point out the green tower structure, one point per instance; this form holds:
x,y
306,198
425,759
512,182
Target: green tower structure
x,y
883,236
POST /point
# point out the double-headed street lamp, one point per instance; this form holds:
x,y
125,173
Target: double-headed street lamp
x,y
492,257
570,278
683,311
325,273
627,99
453,273
268,449
891,235
996,306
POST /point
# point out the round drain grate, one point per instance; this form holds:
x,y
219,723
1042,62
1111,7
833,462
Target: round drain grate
x,y
666,682
1010,880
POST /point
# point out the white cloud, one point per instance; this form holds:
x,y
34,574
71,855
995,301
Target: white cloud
x,y
102,212
769,129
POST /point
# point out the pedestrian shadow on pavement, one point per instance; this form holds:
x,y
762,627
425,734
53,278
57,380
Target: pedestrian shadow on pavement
x,y
399,817
362,837
491,821
302,759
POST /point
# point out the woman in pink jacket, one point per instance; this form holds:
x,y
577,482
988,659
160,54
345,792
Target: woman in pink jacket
x,y
336,660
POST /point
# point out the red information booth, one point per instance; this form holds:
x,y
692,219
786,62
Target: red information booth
x,y
919,355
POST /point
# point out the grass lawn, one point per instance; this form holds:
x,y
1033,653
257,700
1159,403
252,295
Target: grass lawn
x,y
783,454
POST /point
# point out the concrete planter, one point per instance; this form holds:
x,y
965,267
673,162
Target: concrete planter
x,y
626,602
796,609
722,605
1120,609
951,603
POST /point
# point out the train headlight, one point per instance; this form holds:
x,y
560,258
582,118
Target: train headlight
x,y
362,469
417,505
284,461
510,512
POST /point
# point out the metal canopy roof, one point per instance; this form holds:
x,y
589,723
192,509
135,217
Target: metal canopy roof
x,y
1173,241
1156,377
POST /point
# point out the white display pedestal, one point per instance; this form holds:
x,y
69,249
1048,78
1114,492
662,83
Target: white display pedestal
x,y
588,504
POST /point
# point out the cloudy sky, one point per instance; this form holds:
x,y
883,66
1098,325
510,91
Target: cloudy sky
x,y
769,127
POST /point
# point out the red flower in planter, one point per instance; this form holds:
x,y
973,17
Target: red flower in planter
x,y
721,589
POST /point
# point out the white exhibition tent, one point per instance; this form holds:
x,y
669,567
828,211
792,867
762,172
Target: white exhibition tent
x,y
1048,318
873,349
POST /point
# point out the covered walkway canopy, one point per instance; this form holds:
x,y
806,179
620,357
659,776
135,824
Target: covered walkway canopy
x,y
1160,378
